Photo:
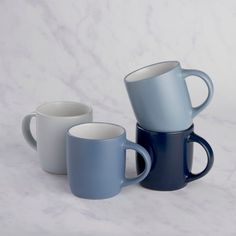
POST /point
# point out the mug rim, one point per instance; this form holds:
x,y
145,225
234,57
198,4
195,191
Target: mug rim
x,y
98,139
191,127
44,114
177,63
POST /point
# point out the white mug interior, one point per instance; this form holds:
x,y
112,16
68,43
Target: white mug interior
x,y
151,71
63,109
96,131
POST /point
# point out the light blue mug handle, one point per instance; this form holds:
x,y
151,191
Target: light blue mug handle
x,y
27,132
207,80
147,159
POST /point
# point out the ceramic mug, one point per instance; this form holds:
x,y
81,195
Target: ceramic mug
x,y
96,160
172,155
52,122
160,98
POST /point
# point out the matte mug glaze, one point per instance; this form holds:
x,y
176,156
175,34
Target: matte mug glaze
x,y
160,98
172,155
52,123
96,160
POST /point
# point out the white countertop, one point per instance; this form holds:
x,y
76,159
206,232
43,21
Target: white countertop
x,y
33,202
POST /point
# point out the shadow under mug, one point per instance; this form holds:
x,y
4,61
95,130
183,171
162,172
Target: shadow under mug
x,y
53,119
159,96
96,160
172,156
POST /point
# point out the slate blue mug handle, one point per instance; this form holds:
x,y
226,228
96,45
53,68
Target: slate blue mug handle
x,y
207,80
27,132
210,156
147,159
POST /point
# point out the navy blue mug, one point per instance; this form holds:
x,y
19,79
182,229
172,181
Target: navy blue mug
x,y
172,155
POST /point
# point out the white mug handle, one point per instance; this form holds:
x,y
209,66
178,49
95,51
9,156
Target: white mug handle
x,y
27,132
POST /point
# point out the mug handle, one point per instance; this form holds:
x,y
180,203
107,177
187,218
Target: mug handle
x,y
210,156
147,159
207,80
27,132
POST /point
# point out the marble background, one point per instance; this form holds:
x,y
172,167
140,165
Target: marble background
x,y
81,50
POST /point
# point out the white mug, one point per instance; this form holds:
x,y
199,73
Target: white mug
x,y
52,122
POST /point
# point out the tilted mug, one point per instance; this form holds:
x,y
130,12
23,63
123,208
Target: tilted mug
x,y
159,96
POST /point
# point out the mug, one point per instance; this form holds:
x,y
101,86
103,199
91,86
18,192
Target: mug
x,y
160,98
96,160
52,122
172,155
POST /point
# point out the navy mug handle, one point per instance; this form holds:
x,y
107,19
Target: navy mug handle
x,y
147,159
210,87
210,156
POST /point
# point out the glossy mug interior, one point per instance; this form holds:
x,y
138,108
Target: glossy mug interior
x,y
160,99
96,160
52,122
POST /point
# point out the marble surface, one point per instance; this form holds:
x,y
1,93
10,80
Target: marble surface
x,y
81,50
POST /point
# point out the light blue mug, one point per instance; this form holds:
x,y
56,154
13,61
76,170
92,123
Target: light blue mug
x,y
96,160
160,98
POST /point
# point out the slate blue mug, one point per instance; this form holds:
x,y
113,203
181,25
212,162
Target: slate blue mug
x,y
172,156
96,160
160,98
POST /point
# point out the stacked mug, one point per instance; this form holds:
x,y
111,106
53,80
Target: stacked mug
x,y
162,106
93,153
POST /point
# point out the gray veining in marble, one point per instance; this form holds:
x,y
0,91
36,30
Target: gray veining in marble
x,y
81,50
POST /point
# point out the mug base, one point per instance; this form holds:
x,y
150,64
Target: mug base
x,y
94,197
162,188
